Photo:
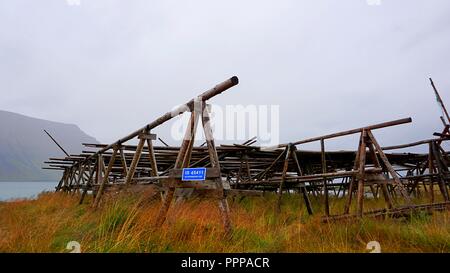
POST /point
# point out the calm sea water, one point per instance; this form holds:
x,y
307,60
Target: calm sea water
x,y
14,190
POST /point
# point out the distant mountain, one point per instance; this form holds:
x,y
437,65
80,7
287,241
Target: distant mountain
x,y
24,146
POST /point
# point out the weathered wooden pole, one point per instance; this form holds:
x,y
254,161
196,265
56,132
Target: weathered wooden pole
x,y
439,100
431,170
283,178
324,170
376,162
123,161
160,219
152,158
105,177
353,179
361,174
216,90
56,142
62,180
302,188
136,158
350,132
89,183
214,159
99,174
390,169
441,180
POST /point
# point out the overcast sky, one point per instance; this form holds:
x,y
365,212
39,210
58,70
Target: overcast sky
x,y
112,66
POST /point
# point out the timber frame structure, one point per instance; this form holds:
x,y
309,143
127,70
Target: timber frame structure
x,y
246,169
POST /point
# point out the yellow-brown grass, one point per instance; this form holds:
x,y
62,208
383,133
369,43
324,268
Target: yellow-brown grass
x,y
124,223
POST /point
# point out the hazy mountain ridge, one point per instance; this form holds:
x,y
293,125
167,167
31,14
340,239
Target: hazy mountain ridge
x,y
24,146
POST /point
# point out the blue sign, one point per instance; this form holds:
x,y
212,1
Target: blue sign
x,y
193,174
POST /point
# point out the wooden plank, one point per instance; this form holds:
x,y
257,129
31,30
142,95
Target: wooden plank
x,y
147,136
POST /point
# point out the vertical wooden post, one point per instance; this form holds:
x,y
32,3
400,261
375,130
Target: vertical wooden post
x,y
390,169
302,188
376,162
152,158
99,173
135,161
361,175
88,182
214,159
68,186
189,135
238,178
62,180
247,165
81,170
124,161
440,168
444,161
105,178
68,183
353,179
283,178
431,171
186,159
324,170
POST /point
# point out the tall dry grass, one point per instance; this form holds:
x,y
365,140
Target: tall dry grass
x,y
124,223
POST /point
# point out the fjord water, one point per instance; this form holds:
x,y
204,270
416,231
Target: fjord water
x,y
29,189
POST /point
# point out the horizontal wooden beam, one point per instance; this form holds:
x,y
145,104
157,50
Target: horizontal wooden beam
x,y
350,132
417,143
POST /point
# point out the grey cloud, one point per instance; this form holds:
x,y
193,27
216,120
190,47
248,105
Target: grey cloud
x,y
112,66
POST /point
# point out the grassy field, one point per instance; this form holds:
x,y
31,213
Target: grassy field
x,y
124,224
